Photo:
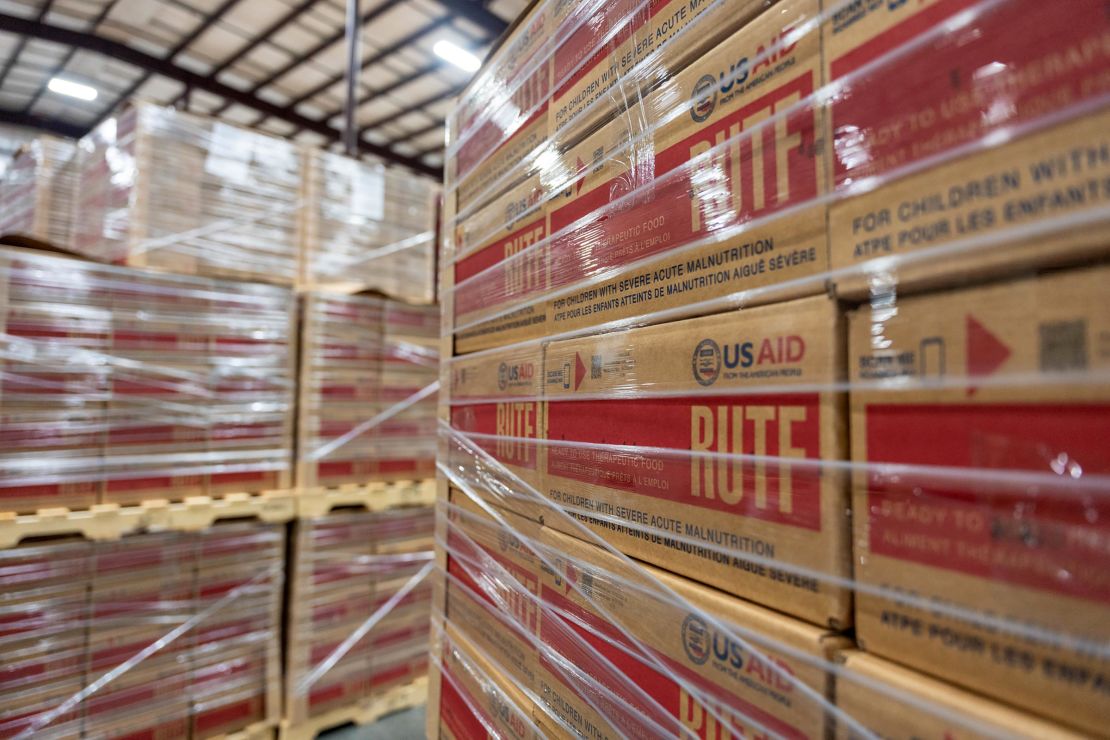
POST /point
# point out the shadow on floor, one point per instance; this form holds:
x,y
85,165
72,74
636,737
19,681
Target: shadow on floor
x,y
407,724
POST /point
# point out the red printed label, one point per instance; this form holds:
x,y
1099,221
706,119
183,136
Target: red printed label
x,y
748,177
1015,62
784,426
512,422
1053,537
521,277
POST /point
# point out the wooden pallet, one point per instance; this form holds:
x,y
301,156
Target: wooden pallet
x,y
112,521
375,496
393,700
262,730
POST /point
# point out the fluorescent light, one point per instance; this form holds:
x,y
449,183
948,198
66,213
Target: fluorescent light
x,y
458,56
71,88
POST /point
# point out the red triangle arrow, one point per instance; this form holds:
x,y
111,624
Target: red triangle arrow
x,y
582,176
579,371
985,352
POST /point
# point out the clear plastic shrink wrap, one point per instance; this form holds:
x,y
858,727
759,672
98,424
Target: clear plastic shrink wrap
x,y
120,385
365,413
165,189
777,403
368,225
360,599
156,635
36,192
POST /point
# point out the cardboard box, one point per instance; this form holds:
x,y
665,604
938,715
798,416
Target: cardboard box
x,y
969,716
475,696
669,188
487,276
495,403
1019,539
165,189
752,688
653,384
624,49
472,609
501,117
1014,65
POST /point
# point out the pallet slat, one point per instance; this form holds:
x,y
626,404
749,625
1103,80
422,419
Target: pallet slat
x,y
375,496
394,700
112,521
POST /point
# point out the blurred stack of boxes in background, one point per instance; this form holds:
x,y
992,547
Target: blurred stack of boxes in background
x,y
77,610
36,191
873,480
359,217
350,567
363,357
145,401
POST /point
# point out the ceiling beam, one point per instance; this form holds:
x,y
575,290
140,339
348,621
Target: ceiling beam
x,y
477,14
309,54
206,22
439,124
413,107
41,123
68,56
293,14
22,43
137,58
371,60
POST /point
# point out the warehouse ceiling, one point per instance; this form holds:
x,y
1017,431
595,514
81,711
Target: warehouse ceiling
x,y
277,65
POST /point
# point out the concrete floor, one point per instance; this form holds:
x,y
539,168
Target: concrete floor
x,y
407,724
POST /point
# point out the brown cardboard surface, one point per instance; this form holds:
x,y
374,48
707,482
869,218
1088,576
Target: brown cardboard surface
x,y
497,394
1028,554
500,700
473,613
747,507
513,223
891,718
1056,173
655,41
751,686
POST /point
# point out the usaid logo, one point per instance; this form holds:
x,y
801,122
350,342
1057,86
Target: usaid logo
x,y
515,375
704,98
695,639
706,362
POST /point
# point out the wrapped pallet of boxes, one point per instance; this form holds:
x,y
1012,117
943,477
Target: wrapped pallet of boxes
x,y
359,615
36,192
169,190
169,634
368,226
363,360
123,385
772,403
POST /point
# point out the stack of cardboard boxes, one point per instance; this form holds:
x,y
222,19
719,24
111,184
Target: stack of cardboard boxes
x,y
122,385
138,395
36,191
368,225
881,478
202,610
361,358
347,568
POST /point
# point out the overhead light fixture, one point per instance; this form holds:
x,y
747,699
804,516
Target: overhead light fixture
x,y
457,55
72,89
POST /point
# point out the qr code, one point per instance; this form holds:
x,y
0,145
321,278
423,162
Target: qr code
x,y
595,367
1064,346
